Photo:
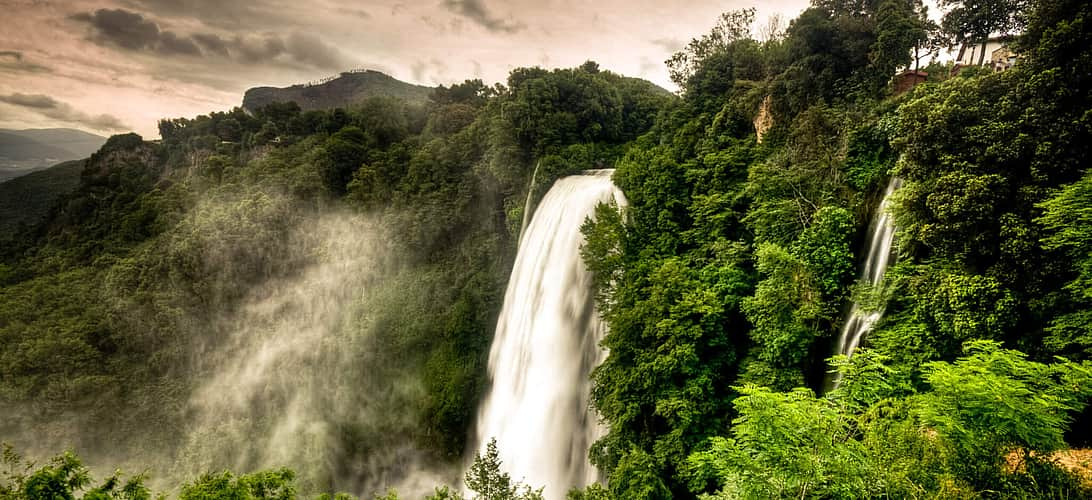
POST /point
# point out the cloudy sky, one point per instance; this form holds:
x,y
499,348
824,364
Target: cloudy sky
x,y
116,65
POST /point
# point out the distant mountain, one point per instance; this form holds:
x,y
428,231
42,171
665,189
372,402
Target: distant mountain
x,y
62,143
19,148
25,151
337,92
28,198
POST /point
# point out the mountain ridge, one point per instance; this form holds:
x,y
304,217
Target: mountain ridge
x,y
337,92
29,150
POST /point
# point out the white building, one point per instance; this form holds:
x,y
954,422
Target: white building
x,y
1003,58
970,53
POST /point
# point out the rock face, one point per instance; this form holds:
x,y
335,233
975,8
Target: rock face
x,y
338,92
764,119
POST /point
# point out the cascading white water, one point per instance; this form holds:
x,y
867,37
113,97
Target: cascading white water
x,y
546,344
881,237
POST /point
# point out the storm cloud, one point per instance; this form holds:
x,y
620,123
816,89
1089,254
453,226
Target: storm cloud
x,y
60,111
300,48
132,31
170,43
212,44
230,14
126,29
477,12
308,48
142,60
13,60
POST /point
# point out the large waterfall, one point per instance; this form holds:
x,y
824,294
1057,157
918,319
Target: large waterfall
x,y
881,237
546,344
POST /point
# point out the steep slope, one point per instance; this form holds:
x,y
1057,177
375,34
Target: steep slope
x,y
27,199
342,91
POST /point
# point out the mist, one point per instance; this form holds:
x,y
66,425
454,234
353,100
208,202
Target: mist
x,y
284,356
296,370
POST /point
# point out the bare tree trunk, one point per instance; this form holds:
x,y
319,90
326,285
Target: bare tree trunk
x,y
962,50
982,56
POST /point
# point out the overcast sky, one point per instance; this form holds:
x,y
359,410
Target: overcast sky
x,y
116,65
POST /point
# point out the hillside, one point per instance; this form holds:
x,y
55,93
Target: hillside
x,y
28,198
199,250
342,91
349,300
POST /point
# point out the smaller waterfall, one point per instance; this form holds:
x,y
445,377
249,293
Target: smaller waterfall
x,y
527,204
546,345
880,239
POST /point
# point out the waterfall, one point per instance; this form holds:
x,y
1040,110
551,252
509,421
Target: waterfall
x,y
880,239
527,204
546,344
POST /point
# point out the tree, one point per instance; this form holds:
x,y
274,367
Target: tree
x,y
383,120
786,445
785,311
824,246
345,152
732,26
1068,221
720,62
994,401
875,437
61,479
470,92
773,29
264,485
1056,36
487,481
971,21
638,475
280,113
547,110
901,26
935,39
590,66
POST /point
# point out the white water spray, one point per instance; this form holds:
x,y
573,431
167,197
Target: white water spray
x,y
546,344
297,380
881,238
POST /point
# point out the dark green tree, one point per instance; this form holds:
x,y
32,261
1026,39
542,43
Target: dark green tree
x,y
345,152
902,28
974,21
263,485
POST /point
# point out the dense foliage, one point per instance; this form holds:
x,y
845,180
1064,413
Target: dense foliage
x,y
131,294
726,288
724,283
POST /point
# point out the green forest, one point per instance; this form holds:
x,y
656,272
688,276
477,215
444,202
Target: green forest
x,y
724,282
